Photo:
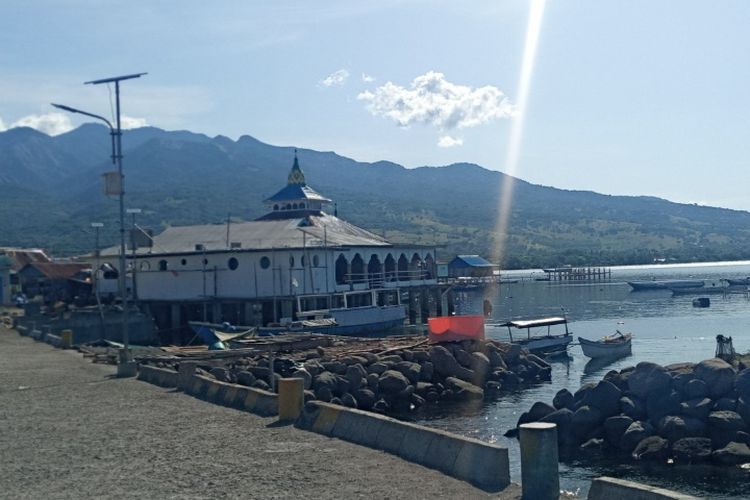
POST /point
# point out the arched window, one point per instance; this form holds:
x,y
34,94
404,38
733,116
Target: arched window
x,y
390,268
291,261
374,270
145,265
288,206
342,268
294,206
233,263
302,261
265,262
276,206
163,265
183,262
358,269
429,267
316,261
403,268
301,206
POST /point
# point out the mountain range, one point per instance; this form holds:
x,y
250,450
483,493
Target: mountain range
x,y
51,191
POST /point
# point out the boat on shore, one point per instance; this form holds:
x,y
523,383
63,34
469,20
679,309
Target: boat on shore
x,y
611,346
216,336
665,284
540,344
738,281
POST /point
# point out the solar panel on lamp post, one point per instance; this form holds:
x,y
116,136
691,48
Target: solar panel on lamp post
x,y
125,357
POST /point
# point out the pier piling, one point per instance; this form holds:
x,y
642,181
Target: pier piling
x,y
540,476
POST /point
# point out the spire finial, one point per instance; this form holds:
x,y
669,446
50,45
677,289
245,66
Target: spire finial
x,y
296,176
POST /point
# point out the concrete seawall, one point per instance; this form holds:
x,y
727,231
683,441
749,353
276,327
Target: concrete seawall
x,y
481,464
609,488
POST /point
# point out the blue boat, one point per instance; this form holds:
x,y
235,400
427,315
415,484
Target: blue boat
x,y
217,335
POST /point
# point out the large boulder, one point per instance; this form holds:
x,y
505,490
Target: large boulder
x,y
463,390
427,372
586,418
648,378
248,379
660,404
743,408
562,418
633,407
725,404
353,360
614,428
495,357
606,397
409,370
580,395
392,382
377,368
480,364
697,408
723,427
313,367
365,398
732,454
446,365
742,384
539,410
652,448
691,450
563,399
718,376
336,367
355,375
634,434
462,357
674,428
695,388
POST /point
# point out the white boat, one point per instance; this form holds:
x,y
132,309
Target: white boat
x,y
612,346
540,344
665,284
359,313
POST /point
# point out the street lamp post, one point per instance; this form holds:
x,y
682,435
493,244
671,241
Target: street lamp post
x,y
116,133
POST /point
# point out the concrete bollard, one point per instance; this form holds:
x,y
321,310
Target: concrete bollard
x,y
67,339
540,475
185,373
291,398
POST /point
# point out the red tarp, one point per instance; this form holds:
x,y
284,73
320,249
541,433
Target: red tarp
x,y
453,328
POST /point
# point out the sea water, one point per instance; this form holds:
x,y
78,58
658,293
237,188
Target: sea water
x,y
666,329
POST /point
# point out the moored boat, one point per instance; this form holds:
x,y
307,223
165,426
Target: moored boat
x,y
540,344
738,281
612,346
665,284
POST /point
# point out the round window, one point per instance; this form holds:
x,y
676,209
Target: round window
x,y
145,266
233,263
265,262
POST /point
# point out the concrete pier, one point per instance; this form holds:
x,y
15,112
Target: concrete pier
x,y
540,476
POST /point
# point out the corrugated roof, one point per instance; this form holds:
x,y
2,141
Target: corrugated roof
x,y
472,261
59,270
20,257
314,230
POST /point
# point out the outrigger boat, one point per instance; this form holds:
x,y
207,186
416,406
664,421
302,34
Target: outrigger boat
x,y
216,336
540,344
611,346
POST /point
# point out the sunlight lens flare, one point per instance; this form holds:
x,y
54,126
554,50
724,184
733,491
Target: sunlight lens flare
x,y
505,200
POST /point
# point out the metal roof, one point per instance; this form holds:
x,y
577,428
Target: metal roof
x,y
533,323
292,192
471,261
310,231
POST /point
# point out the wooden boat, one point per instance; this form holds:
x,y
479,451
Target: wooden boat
x,y
455,328
540,344
612,346
216,335
665,284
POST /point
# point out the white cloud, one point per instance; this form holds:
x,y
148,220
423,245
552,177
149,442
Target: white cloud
x,y
337,78
127,122
432,100
447,141
49,123
367,78
2,125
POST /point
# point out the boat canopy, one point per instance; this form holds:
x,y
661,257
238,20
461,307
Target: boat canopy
x,y
533,323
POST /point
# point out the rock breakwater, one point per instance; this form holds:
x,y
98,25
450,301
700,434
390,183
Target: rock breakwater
x,y
681,413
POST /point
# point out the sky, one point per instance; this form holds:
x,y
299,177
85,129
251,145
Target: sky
x,y
628,97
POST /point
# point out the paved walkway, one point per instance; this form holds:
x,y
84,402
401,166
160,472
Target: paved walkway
x,y
68,429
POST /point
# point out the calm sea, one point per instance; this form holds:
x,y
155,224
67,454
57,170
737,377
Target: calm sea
x,y
665,329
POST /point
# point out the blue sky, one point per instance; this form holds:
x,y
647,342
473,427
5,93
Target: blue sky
x,y
627,97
